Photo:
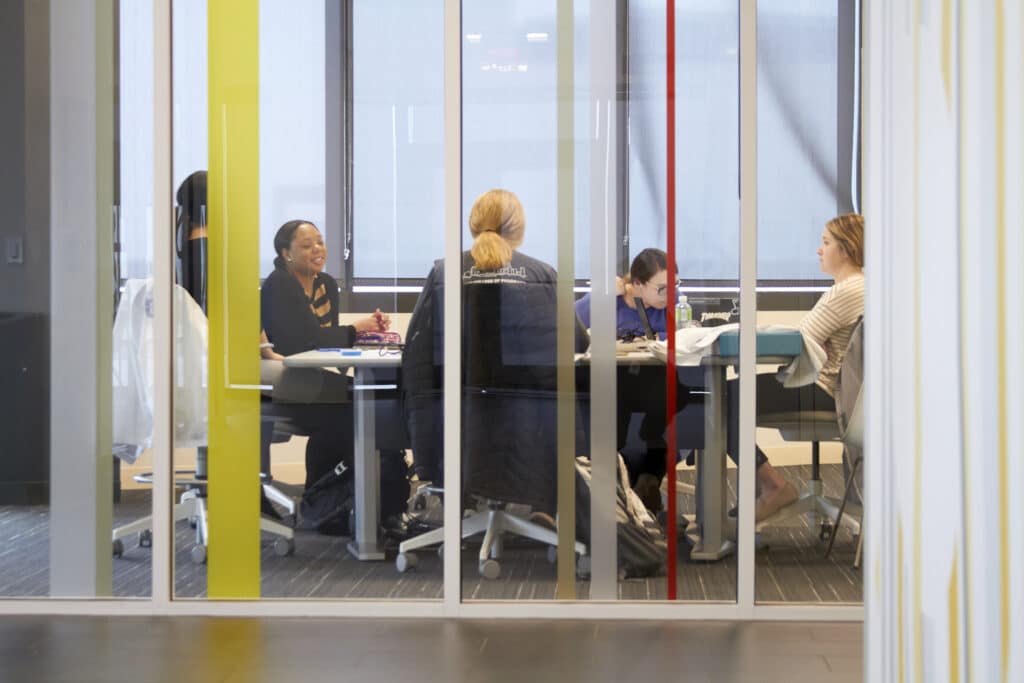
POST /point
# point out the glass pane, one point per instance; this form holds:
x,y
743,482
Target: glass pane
x,y
133,271
707,265
329,442
59,499
805,139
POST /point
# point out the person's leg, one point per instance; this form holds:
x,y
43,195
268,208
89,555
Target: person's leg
x,y
394,483
330,437
774,491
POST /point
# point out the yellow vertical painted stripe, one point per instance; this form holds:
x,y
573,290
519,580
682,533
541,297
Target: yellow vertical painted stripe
x,y
233,196
900,581
1001,331
565,588
954,622
918,416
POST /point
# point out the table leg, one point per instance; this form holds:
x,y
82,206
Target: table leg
x,y
711,543
366,545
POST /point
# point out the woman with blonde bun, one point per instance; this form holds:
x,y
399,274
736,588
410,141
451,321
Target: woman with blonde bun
x,y
509,351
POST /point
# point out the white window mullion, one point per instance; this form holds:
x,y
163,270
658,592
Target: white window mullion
x,y
748,302
452,304
163,283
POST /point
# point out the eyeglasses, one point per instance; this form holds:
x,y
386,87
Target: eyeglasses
x,y
660,291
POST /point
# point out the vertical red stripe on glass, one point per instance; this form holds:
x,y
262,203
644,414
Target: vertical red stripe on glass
x,y
670,366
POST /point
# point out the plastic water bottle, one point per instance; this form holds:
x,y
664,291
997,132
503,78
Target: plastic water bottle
x,y
684,312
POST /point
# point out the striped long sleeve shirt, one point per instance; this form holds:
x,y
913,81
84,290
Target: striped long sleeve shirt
x,y
831,322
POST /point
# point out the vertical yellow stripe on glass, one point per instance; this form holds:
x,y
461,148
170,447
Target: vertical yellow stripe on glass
x,y
566,586
233,197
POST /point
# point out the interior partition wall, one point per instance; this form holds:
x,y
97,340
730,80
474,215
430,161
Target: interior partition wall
x,y
584,147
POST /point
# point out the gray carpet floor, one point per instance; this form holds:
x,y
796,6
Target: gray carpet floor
x,y
789,565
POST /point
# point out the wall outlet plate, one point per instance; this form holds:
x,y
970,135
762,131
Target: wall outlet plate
x,y
13,249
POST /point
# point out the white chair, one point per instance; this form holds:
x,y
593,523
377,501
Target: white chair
x,y
133,408
816,426
493,521
850,418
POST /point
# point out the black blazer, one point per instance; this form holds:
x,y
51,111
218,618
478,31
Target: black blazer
x,y
288,321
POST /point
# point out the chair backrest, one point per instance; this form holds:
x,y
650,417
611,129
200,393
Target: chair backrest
x,y
510,381
133,368
850,390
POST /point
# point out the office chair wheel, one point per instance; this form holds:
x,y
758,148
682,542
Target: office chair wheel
x,y
552,554
405,561
826,532
146,539
118,548
490,569
198,554
284,547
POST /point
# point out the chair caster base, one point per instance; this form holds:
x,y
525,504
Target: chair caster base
x,y
284,547
405,561
490,569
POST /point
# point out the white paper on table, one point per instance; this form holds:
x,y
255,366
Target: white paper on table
x,y
692,343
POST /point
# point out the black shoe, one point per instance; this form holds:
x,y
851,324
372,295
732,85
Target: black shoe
x,y
267,508
404,526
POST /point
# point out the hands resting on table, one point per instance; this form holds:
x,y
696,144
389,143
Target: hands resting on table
x,y
377,322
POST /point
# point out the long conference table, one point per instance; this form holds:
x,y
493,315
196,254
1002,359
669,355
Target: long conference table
x,y
708,535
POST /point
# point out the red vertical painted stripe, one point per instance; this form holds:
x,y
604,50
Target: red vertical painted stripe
x,y
670,213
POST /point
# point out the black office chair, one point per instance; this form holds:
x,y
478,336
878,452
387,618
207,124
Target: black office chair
x,y
509,414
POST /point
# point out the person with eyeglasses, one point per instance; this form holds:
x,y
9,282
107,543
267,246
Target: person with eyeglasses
x,y
642,389
647,284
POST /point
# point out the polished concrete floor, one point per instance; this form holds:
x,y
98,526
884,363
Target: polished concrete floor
x,y
179,649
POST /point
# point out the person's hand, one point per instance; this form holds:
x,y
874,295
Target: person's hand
x,y
378,322
383,320
267,349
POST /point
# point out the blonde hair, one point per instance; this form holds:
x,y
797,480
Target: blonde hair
x,y
496,222
848,232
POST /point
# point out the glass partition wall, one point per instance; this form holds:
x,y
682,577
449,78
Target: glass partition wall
x,y
459,305
810,271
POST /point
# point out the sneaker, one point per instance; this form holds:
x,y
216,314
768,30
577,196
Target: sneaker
x,y
784,497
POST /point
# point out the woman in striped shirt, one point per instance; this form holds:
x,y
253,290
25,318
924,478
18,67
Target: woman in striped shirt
x,y
830,324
